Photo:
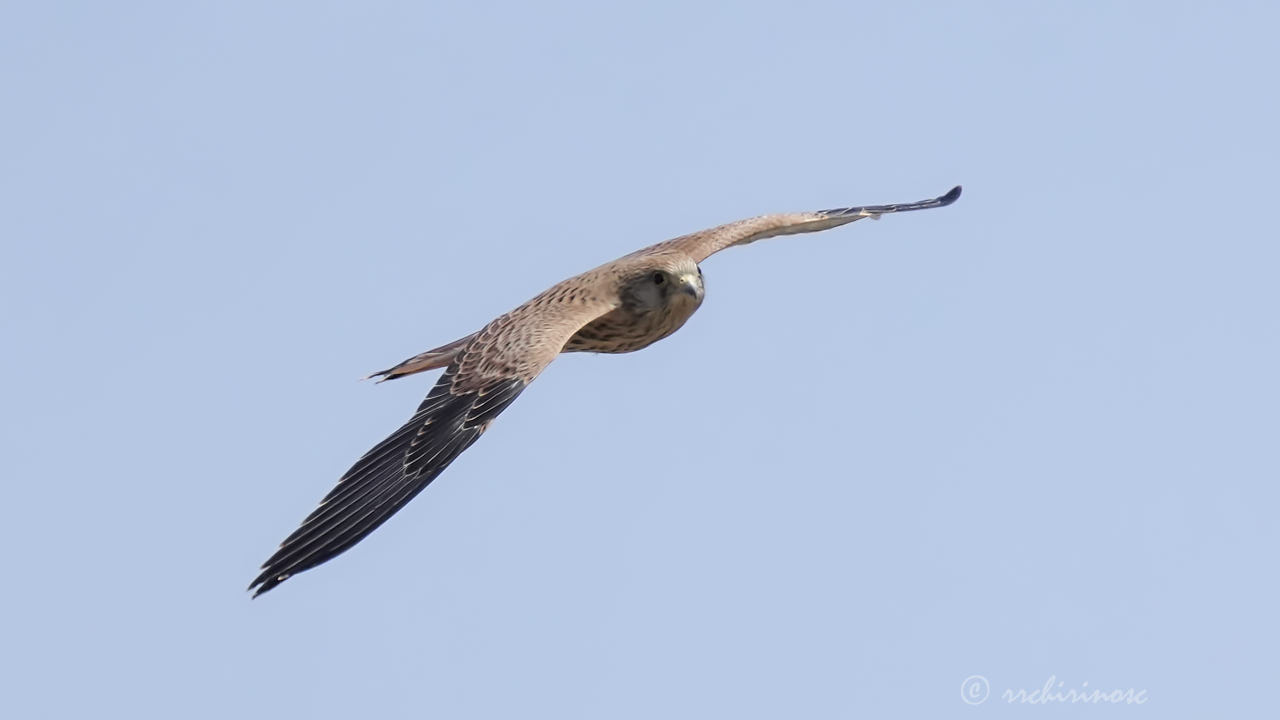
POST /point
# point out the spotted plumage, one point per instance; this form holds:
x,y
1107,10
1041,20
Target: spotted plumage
x,y
618,307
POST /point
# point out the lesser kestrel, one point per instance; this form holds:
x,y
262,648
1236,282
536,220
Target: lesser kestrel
x,y
618,307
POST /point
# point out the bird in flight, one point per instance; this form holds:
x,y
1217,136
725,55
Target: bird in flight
x,y
619,307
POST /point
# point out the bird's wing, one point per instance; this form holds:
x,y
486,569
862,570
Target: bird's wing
x,y
705,243
481,381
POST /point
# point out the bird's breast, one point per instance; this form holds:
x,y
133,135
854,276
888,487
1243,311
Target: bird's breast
x,y
625,330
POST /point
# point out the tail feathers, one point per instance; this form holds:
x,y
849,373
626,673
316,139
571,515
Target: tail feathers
x,y
429,360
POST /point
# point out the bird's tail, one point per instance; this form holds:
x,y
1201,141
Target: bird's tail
x,y
429,360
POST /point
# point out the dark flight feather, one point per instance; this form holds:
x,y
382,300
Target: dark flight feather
x,y
390,475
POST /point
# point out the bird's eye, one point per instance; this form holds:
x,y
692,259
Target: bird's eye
x,y
659,278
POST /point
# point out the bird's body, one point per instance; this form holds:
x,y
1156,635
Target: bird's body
x,y
618,307
635,324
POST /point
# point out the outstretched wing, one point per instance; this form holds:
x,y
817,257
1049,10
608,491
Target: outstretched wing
x,y
482,379
705,243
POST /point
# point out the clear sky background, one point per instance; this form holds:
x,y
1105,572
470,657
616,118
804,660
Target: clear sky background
x,y
1033,434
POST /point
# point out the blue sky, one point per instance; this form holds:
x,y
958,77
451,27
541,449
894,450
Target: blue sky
x,y
1031,435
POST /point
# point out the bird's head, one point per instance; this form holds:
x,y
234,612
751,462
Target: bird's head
x,y
664,283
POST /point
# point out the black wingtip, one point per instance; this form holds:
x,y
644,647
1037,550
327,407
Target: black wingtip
x,y
952,195
264,582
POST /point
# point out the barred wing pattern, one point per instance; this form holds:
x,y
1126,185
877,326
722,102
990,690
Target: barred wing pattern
x,y
483,379
703,244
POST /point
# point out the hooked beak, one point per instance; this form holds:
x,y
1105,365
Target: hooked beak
x,y
691,285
